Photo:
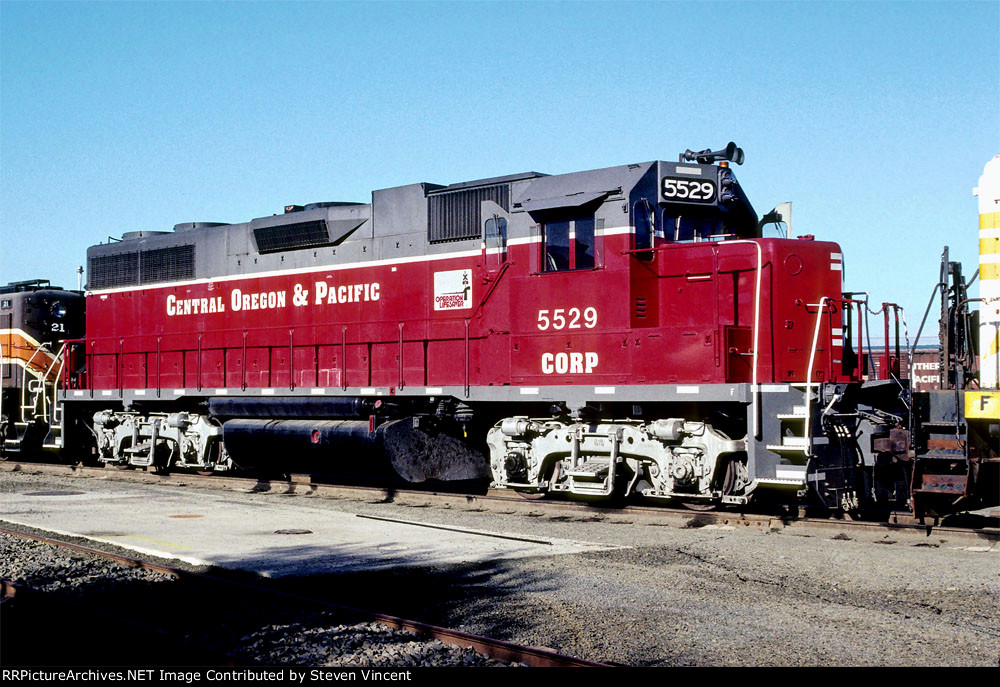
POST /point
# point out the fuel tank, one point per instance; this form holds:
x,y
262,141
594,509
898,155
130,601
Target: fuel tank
x,y
409,450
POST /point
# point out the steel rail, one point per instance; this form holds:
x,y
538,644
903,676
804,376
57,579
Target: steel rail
x,y
461,530
506,502
494,648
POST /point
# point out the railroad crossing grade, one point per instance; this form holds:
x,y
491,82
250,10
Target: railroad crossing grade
x,y
982,530
273,539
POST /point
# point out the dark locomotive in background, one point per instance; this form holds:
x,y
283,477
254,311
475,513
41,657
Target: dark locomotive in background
x,y
35,320
615,332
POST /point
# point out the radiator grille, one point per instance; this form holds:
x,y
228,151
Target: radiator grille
x,y
135,268
291,236
166,264
112,271
454,215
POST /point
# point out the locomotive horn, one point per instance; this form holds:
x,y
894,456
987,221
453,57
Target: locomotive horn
x,y
705,157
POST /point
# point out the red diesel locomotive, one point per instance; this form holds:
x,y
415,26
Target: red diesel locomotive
x,y
604,333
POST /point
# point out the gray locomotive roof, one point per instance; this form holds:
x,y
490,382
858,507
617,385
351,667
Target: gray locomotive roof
x,y
397,224
489,182
590,185
29,285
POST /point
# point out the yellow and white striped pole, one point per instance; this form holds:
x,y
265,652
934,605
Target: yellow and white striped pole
x,y
989,274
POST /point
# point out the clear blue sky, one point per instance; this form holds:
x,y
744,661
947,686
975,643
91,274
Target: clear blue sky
x,y
874,118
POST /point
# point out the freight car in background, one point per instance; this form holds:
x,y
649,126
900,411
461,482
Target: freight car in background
x,y
925,370
607,333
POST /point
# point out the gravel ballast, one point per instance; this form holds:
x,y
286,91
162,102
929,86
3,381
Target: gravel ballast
x,y
314,639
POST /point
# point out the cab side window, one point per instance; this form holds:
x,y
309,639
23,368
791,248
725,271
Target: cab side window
x,y
692,227
583,238
555,245
496,234
569,243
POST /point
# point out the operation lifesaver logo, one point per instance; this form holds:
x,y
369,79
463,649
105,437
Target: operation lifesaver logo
x,y
240,300
453,290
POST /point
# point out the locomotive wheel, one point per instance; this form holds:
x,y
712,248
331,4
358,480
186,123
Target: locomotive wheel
x,y
699,507
727,485
218,456
729,477
539,495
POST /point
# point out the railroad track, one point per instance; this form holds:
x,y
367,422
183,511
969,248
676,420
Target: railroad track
x,y
505,502
210,582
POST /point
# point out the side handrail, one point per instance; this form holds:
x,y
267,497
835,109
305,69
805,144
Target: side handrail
x,y
820,312
73,346
24,386
885,316
809,370
493,287
55,383
754,386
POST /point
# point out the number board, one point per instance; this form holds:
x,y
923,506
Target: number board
x,y
680,190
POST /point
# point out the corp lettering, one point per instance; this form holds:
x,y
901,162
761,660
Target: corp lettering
x,y
569,363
